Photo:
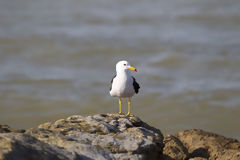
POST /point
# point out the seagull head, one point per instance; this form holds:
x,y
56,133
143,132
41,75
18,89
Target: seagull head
x,y
124,66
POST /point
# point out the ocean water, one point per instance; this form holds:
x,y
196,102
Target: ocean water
x,y
57,58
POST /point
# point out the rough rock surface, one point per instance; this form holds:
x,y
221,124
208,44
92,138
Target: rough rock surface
x,y
103,136
197,144
18,146
7,129
208,145
174,149
112,136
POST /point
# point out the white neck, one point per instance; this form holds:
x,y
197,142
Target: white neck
x,y
123,72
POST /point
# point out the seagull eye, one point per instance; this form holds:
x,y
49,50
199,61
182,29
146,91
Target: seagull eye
x,y
124,64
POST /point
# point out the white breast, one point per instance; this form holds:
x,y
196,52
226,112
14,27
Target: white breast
x,y
122,86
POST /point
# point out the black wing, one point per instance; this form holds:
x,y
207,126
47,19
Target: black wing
x,y
112,82
135,85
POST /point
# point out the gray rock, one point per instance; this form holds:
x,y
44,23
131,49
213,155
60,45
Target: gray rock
x,y
103,136
111,136
19,146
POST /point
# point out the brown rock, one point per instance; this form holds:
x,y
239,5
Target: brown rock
x,y
7,129
208,145
173,149
198,158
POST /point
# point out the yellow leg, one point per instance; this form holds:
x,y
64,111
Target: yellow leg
x,y
120,106
129,107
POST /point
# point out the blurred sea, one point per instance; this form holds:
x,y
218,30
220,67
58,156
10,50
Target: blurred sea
x,y
57,58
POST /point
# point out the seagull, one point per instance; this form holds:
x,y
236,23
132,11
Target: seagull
x,y
123,85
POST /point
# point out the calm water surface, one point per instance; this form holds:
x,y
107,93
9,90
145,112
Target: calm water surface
x,y
57,58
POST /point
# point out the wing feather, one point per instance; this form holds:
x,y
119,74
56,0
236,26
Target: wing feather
x,y
135,85
112,82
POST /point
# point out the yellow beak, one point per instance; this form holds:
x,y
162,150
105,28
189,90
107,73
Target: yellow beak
x,y
132,68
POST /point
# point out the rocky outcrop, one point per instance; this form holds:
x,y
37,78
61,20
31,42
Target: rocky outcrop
x,y
174,149
111,136
7,129
18,146
102,136
197,144
209,145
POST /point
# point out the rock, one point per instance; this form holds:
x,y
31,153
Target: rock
x,y
7,129
103,136
208,145
198,158
19,146
200,145
173,149
112,136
